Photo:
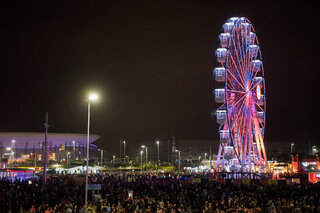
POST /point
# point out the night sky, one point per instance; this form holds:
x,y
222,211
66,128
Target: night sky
x,y
151,62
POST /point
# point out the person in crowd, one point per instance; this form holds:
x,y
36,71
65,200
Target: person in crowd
x,y
152,193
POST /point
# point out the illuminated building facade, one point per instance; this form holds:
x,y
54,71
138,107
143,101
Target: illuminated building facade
x,y
23,147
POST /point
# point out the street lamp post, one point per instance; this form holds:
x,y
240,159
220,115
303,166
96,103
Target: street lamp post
x,y
68,159
113,159
92,98
10,156
101,157
146,156
74,150
158,162
158,145
141,153
178,161
292,144
120,151
124,150
13,142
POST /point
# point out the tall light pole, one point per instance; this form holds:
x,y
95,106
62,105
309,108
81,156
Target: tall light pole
x,y
143,146
158,144
124,150
205,156
91,98
9,149
113,159
101,157
74,149
141,153
210,159
120,151
68,159
13,143
292,144
178,161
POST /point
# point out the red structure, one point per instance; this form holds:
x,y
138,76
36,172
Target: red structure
x,y
296,163
300,165
314,177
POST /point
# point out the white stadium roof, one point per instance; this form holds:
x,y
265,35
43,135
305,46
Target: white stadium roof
x,y
33,139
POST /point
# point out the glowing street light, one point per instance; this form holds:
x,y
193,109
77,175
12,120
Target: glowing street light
x,y
92,97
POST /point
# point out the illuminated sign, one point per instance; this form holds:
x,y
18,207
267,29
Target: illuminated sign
x,y
258,92
305,164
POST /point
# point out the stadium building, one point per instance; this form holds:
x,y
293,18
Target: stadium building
x,y
26,147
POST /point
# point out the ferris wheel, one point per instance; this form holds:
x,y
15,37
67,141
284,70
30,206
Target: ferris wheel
x,y
240,93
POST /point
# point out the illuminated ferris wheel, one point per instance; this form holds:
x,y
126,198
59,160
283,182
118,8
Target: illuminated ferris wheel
x,y
241,96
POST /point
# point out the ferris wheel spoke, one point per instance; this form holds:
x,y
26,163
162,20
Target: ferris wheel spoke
x,y
246,145
235,49
222,106
237,70
234,104
253,86
241,51
255,74
247,58
241,45
236,79
241,108
259,107
236,91
240,137
260,121
240,127
261,124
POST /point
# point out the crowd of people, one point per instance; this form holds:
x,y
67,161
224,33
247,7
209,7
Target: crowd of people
x,y
147,193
